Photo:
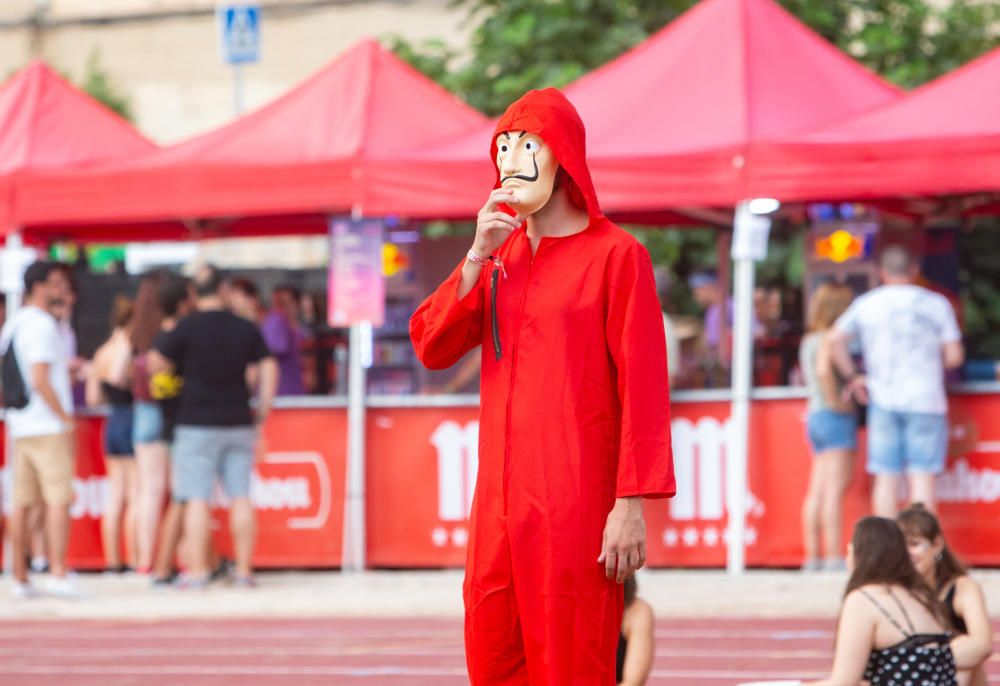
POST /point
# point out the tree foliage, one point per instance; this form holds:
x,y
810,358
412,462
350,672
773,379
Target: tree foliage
x,y
517,45
98,86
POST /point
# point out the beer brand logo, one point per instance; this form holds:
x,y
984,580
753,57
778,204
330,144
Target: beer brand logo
x,y
457,448
292,493
701,453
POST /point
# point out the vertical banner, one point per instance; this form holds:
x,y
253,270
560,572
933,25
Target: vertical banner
x,y
356,284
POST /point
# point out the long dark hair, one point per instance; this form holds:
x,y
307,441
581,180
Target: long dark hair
x,y
880,557
917,520
148,315
631,589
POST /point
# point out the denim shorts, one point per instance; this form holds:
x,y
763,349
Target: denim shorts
x,y
199,454
118,432
830,430
906,441
148,426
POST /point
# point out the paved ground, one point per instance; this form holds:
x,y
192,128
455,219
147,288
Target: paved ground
x,y
438,594
395,629
382,652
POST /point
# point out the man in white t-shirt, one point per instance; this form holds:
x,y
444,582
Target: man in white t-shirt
x,y
42,431
909,337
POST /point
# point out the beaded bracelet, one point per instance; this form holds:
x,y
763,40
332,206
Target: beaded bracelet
x,y
483,261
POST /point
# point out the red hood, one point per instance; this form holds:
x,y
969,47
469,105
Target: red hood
x,y
550,115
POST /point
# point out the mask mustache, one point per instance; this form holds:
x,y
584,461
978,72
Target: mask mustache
x,y
523,177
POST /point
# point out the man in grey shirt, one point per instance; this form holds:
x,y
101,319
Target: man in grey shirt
x,y
909,337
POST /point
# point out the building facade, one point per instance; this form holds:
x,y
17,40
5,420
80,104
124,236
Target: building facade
x,y
163,55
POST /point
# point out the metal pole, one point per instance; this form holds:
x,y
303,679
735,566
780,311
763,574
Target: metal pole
x,y
354,505
354,517
14,301
736,463
238,94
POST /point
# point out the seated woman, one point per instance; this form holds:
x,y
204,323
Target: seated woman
x,y
636,642
892,630
962,597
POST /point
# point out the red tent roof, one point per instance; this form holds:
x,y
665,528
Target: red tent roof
x,y
46,123
942,138
326,146
675,121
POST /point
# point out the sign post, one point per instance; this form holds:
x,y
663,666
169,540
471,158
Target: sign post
x,y
356,298
239,42
750,233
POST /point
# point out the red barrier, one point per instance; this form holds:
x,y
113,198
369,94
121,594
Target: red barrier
x,y
422,466
298,491
421,472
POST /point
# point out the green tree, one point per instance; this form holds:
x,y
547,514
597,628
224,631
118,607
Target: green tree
x,y
517,45
98,86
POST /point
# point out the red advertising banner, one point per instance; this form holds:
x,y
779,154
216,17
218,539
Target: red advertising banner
x,y
298,491
422,465
421,473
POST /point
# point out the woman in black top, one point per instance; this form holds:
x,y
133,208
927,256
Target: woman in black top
x,y
109,383
636,641
962,597
891,630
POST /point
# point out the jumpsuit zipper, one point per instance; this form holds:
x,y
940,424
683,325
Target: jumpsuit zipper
x,y
513,372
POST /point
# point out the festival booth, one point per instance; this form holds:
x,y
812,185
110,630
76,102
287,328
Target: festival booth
x,y
287,168
688,122
691,129
46,124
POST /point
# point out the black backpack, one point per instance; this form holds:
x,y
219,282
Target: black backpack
x,y
15,391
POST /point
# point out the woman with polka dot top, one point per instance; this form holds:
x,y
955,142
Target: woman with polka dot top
x,y
892,630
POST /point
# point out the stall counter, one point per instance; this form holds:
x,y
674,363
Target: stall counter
x,y
422,460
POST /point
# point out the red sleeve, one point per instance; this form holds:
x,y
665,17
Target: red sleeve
x,y
638,348
445,327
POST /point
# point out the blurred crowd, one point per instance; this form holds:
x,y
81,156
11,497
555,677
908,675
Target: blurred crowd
x,y
188,373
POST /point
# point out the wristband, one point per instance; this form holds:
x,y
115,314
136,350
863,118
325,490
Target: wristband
x,y
484,261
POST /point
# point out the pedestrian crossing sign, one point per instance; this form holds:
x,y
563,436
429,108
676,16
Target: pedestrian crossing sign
x,y
239,33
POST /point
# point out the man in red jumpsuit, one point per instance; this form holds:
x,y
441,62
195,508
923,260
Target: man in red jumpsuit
x,y
575,419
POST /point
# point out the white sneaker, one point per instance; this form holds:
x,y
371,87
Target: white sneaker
x,y
23,590
63,587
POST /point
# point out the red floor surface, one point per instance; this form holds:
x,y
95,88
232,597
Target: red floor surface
x,y
414,652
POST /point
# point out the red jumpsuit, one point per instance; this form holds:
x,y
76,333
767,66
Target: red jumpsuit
x,y
574,414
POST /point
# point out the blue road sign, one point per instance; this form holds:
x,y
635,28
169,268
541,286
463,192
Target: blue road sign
x,y
239,33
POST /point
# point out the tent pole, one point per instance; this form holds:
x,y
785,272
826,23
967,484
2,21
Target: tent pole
x,y
742,365
354,503
14,301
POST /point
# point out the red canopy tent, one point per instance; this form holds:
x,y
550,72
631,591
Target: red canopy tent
x,y
942,138
46,124
328,146
676,121
690,103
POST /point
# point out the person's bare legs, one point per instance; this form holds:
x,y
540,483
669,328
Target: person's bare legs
x,y
923,489
197,535
114,508
129,512
838,478
973,677
152,465
36,532
57,524
18,527
885,492
170,538
243,526
811,509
